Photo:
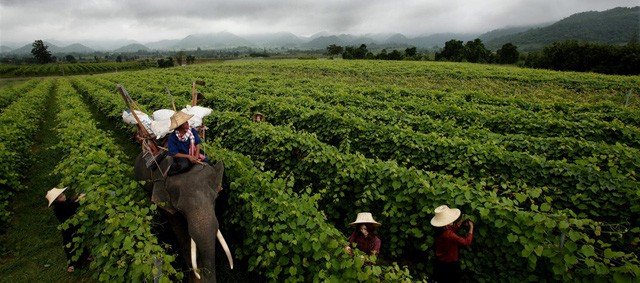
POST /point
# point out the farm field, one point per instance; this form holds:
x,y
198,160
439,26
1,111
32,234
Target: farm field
x,y
545,163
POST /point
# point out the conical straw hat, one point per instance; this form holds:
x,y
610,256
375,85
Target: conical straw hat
x,y
53,194
445,216
365,217
178,119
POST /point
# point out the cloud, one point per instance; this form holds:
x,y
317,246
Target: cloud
x,y
149,20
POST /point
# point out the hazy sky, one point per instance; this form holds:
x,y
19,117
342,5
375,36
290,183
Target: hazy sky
x,y
23,21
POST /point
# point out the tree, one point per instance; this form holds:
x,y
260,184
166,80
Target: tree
x,y
453,51
410,52
70,59
179,57
334,49
395,55
475,52
40,52
191,59
119,58
508,54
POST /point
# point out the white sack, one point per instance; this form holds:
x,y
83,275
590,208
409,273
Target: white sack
x,y
162,114
161,128
128,117
144,118
197,111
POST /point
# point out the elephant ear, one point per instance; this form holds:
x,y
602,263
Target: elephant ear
x,y
218,173
160,196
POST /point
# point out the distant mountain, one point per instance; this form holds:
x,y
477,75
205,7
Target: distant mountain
x,y
74,48
162,44
274,40
219,40
5,49
497,33
397,38
134,47
614,26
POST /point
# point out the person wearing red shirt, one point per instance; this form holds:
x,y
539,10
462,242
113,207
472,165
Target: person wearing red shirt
x,y
447,267
365,236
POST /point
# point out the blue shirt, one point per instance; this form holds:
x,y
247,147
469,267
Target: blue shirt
x,y
176,146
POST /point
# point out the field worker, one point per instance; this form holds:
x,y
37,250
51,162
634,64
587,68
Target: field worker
x,y
447,267
257,117
183,144
365,237
64,208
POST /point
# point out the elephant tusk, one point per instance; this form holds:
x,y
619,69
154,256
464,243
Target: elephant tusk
x,y
223,243
194,262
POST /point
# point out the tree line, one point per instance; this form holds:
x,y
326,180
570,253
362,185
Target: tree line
x,y
568,55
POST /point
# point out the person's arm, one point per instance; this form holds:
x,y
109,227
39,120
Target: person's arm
x,y
376,247
466,241
197,142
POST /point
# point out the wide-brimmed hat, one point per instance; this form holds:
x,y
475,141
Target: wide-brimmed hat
x,y
178,119
445,216
365,218
53,194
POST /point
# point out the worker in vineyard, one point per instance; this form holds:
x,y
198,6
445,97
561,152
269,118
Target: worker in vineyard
x,y
257,117
447,267
365,236
64,208
183,144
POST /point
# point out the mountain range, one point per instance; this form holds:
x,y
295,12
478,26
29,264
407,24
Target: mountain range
x,y
614,26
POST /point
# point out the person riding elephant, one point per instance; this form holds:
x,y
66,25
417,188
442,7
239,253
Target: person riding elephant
x,y
188,201
183,144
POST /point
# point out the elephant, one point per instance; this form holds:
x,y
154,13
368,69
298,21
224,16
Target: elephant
x,y
189,199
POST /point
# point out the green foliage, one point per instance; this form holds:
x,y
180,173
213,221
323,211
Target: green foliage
x,y
7,71
114,218
344,136
18,122
588,57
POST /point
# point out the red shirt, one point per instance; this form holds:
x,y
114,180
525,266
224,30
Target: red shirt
x,y
447,243
367,245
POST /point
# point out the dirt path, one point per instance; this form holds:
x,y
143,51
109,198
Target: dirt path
x,y
34,242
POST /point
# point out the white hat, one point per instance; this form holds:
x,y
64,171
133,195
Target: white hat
x,y
179,118
445,216
365,217
53,194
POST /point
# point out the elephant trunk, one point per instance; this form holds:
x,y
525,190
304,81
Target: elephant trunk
x,y
203,244
194,258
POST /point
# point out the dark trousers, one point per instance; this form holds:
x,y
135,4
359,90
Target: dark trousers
x,y
446,271
67,238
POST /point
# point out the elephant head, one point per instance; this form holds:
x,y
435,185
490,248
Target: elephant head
x,y
190,199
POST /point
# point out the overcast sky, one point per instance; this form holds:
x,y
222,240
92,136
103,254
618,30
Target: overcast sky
x,y
23,21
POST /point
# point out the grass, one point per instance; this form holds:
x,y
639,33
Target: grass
x,y
34,243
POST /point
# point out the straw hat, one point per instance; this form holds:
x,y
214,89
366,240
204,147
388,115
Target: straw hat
x,y
53,194
178,119
365,217
445,216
